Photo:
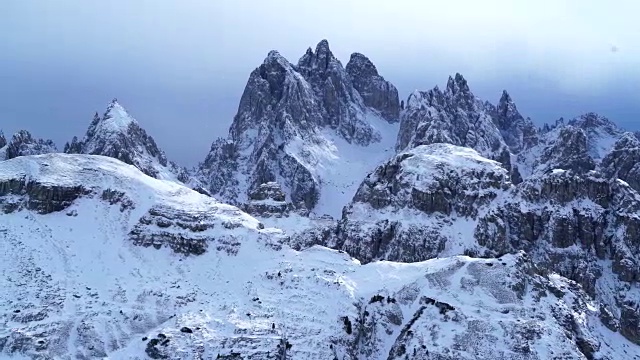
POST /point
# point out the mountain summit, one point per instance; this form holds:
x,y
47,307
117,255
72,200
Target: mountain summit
x,y
118,135
453,116
296,127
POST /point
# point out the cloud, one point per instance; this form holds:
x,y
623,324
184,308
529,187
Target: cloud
x,y
182,65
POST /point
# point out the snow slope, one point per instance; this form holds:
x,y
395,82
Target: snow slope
x,y
339,166
75,285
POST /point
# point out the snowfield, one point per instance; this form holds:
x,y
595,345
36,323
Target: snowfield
x,y
75,285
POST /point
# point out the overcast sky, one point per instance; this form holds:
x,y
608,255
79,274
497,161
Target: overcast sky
x,y
180,66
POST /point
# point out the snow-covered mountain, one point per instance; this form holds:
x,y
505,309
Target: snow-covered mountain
x,y
583,141
420,204
519,133
456,229
118,135
453,116
23,143
306,130
102,261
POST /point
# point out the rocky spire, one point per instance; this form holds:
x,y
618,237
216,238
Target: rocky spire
x,y
321,59
455,117
459,92
3,140
519,133
23,144
342,106
376,92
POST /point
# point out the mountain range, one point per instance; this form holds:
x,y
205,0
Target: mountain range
x,y
334,221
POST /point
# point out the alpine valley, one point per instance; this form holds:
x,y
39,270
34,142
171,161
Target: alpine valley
x,y
334,222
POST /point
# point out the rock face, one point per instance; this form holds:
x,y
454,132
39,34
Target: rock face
x,y
623,162
229,305
583,227
407,208
22,144
579,144
376,92
277,104
268,200
454,116
118,135
518,133
569,151
343,108
287,124
601,133
3,140
440,200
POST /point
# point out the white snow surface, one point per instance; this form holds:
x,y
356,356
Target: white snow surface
x,y
101,172
85,291
340,166
118,119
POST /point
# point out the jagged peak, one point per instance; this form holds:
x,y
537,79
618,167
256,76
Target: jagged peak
x,y
23,143
116,118
323,47
274,60
505,98
21,135
592,120
274,55
418,98
507,107
362,64
457,84
3,140
321,58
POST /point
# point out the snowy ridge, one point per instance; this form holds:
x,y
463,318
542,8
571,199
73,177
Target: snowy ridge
x,y
22,144
233,304
118,135
96,174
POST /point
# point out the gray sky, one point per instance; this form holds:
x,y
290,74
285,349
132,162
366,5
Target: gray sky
x,y
180,66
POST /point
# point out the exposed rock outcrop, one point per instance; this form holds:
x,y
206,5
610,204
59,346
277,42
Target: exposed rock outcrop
x,y
23,143
518,133
623,162
288,121
376,92
170,215
409,207
453,116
